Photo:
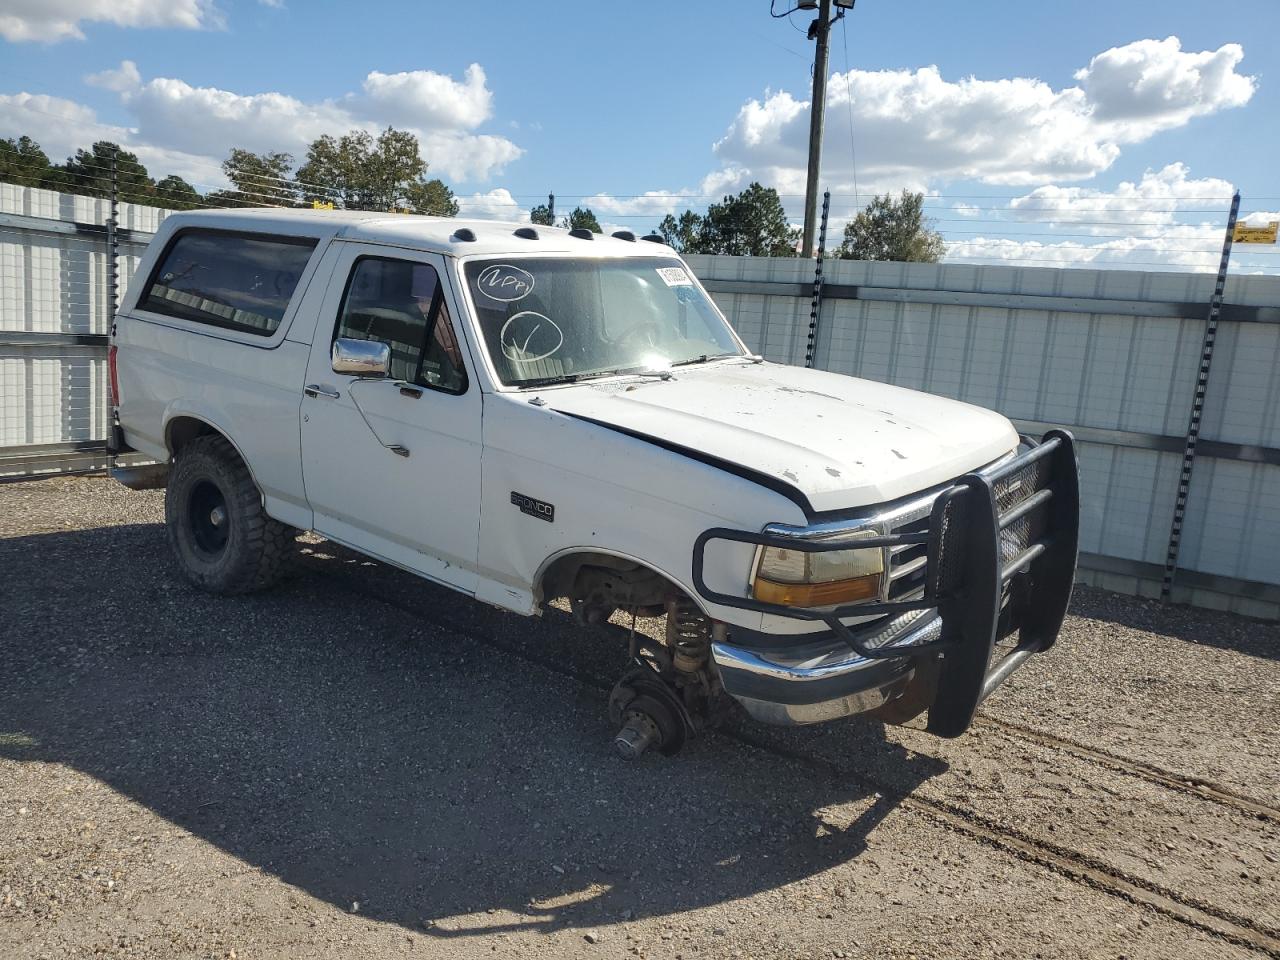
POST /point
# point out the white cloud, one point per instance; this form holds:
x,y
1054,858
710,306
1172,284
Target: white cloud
x,y
62,126
913,128
424,98
466,157
658,203
45,118
1145,207
1152,85
54,20
171,115
1187,247
496,204
653,203
1261,218
207,120
1168,220
124,78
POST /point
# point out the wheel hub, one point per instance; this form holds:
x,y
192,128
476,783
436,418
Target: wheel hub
x,y
649,714
208,518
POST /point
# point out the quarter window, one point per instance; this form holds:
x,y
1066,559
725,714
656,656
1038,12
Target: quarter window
x,y
401,303
236,281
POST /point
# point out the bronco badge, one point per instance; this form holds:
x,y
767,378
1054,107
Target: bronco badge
x,y
534,508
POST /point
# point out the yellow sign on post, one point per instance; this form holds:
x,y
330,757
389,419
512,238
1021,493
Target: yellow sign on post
x,y
1247,234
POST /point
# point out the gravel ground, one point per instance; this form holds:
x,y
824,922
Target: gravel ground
x,y
358,764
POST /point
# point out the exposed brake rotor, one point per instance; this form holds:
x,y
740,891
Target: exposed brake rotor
x,y
648,713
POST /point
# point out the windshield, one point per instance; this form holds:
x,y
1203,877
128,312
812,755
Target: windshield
x,y
548,320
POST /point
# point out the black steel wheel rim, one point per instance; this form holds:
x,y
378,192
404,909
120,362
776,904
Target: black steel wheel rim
x,y
208,517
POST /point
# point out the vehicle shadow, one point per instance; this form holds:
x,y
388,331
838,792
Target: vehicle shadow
x,y
380,754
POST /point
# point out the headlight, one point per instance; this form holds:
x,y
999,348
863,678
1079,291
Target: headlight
x,y
797,578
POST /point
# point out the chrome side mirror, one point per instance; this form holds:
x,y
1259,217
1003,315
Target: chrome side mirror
x,y
361,358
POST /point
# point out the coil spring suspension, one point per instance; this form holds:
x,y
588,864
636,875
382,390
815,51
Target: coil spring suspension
x,y
688,635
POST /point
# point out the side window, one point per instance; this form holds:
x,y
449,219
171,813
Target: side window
x,y
401,304
231,280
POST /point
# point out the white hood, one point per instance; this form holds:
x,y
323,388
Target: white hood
x,y
840,441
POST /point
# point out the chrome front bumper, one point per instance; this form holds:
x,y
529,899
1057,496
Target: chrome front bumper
x,y
821,682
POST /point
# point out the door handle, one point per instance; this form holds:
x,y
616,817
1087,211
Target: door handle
x,y
315,390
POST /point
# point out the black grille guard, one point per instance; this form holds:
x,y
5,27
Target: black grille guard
x,y
966,574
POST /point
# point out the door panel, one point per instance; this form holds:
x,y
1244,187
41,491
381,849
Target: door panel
x,y
419,510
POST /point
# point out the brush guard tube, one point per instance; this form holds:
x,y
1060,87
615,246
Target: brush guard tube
x,y
1001,548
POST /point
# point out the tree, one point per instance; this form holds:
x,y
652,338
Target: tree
x,y
752,224
360,173
889,229
261,179
541,214
176,194
684,234
582,219
23,162
431,197
89,172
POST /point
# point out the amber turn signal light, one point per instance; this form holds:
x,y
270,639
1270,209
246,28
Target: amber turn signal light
x,y
817,594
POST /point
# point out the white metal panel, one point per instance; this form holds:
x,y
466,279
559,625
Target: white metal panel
x,y
1108,371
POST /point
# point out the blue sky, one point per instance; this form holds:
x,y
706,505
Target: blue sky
x,y
602,102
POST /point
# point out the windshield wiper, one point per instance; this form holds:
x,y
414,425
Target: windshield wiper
x,y
594,375
703,358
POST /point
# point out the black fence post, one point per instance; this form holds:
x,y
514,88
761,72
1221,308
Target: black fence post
x,y
113,301
816,307
1197,405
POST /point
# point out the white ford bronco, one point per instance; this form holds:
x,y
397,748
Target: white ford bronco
x,y
524,413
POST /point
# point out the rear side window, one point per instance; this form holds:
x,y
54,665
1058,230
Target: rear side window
x,y
232,280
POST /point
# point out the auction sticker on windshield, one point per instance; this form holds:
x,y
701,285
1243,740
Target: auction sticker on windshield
x,y
674,277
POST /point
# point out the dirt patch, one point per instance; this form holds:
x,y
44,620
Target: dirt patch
x,y
358,764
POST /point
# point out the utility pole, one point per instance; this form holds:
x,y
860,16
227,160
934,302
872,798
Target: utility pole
x,y
817,113
551,206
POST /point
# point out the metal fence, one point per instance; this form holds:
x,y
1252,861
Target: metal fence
x,y
1112,355
55,314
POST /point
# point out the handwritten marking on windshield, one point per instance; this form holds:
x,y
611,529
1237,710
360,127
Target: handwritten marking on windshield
x,y
520,331
505,283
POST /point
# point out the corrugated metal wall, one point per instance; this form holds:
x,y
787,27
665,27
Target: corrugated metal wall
x,y
1034,343
1123,382
54,318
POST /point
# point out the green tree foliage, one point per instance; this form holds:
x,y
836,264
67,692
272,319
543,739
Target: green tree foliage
x,y
431,197
752,224
683,234
261,179
360,172
23,162
889,229
89,173
582,218
176,194
541,214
